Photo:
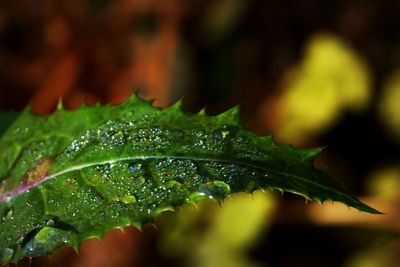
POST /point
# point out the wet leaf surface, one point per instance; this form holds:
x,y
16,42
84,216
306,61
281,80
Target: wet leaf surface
x,y
74,175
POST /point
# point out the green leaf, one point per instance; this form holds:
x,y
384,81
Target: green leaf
x,y
74,175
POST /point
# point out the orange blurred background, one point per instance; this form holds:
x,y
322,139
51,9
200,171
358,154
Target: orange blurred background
x,y
313,73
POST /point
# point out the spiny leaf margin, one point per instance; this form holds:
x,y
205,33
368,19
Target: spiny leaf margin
x,y
153,160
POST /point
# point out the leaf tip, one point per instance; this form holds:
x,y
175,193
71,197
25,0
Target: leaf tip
x,y
311,153
230,116
365,208
60,105
202,112
177,107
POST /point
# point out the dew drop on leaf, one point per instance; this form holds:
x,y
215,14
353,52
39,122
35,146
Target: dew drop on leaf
x,y
50,222
217,189
9,214
220,135
128,199
173,183
197,197
45,241
139,180
6,255
163,209
135,167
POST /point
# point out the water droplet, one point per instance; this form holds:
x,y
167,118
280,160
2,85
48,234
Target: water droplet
x,y
163,209
6,255
9,214
220,135
229,179
217,189
50,222
135,167
139,181
45,241
70,181
217,136
173,183
104,136
197,197
128,199
115,215
151,208
119,134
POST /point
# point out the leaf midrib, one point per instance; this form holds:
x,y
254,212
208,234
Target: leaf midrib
x,y
18,191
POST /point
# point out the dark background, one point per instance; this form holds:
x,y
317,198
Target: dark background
x,y
98,50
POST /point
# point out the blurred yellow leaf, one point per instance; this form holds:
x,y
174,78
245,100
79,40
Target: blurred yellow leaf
x,y
389,104
369,258
234,229
330,79
385,183
211,235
